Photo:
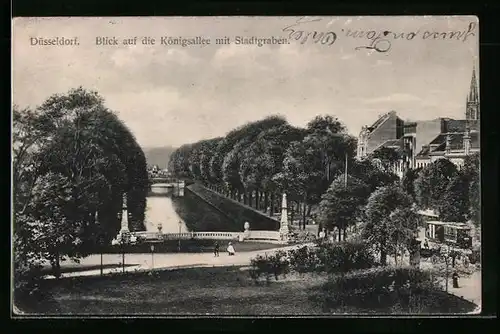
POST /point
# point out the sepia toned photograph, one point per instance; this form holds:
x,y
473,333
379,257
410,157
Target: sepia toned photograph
x,y
245,166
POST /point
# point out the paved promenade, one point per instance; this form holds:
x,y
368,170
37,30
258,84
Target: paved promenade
x,y
146,262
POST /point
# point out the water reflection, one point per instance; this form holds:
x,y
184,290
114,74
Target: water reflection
x,y
160,209
163,206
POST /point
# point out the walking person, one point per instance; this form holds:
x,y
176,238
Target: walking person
x,y
455,279
216,249
230,249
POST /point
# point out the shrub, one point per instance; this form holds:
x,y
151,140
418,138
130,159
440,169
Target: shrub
x,y
345,256
475,256
305,260
276,264
301,236
383,287
325,257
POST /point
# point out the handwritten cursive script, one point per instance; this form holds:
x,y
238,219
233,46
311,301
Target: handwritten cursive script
x,y
382,41
297,32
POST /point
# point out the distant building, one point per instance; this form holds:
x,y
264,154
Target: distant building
x,y
422,142
388,127
458,138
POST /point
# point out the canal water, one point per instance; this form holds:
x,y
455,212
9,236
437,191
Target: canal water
x,y
195,215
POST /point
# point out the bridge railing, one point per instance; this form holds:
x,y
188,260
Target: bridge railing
x,y
263,235
252,235
189,235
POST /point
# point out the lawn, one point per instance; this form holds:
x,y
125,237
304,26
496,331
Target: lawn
x,y
192,246
217,291
69,267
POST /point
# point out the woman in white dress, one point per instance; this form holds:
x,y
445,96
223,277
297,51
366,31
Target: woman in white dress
x,y
230,249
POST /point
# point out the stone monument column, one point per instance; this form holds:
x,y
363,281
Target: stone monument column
x,y
124,223
284,225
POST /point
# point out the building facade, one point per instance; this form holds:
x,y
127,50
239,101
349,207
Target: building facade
x,y
422,142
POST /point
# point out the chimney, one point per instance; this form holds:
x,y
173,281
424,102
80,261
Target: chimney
x,y
448,143
467,141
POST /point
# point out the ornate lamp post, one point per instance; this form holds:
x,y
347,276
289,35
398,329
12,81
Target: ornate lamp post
x,y
125,240
100,240
152,257
101,244
179,246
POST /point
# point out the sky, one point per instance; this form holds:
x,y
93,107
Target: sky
x,y
172,95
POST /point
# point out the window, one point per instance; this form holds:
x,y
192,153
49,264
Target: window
x,y
450,233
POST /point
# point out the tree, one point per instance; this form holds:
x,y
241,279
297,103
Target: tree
x,y
245,134
341,204
369,173
387,157
329,137
206,153
432,182
263,160
179,162
471,171
303,175
381,204
408,181
454,205
73,148
52,233
402,227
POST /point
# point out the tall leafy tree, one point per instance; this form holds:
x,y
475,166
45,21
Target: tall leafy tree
x,y
303,174
76,147
471,172
342,203
382,203
387,157
402,228
408,181
369,173
206,153
263,159
454,206
329,137
432,182
245,134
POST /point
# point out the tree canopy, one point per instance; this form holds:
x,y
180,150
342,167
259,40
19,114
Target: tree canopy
x,y
74,158
432,182
261,159
382,218
342,203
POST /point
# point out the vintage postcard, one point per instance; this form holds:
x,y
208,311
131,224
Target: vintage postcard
x,y
250,166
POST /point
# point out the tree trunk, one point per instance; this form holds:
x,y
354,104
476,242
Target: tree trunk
x,y
245,197
266,201
56,266
257,199
272,204
383,255
304,212
340,233
345,233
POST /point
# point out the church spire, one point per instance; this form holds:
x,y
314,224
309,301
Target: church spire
x,y
473,93
472,110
